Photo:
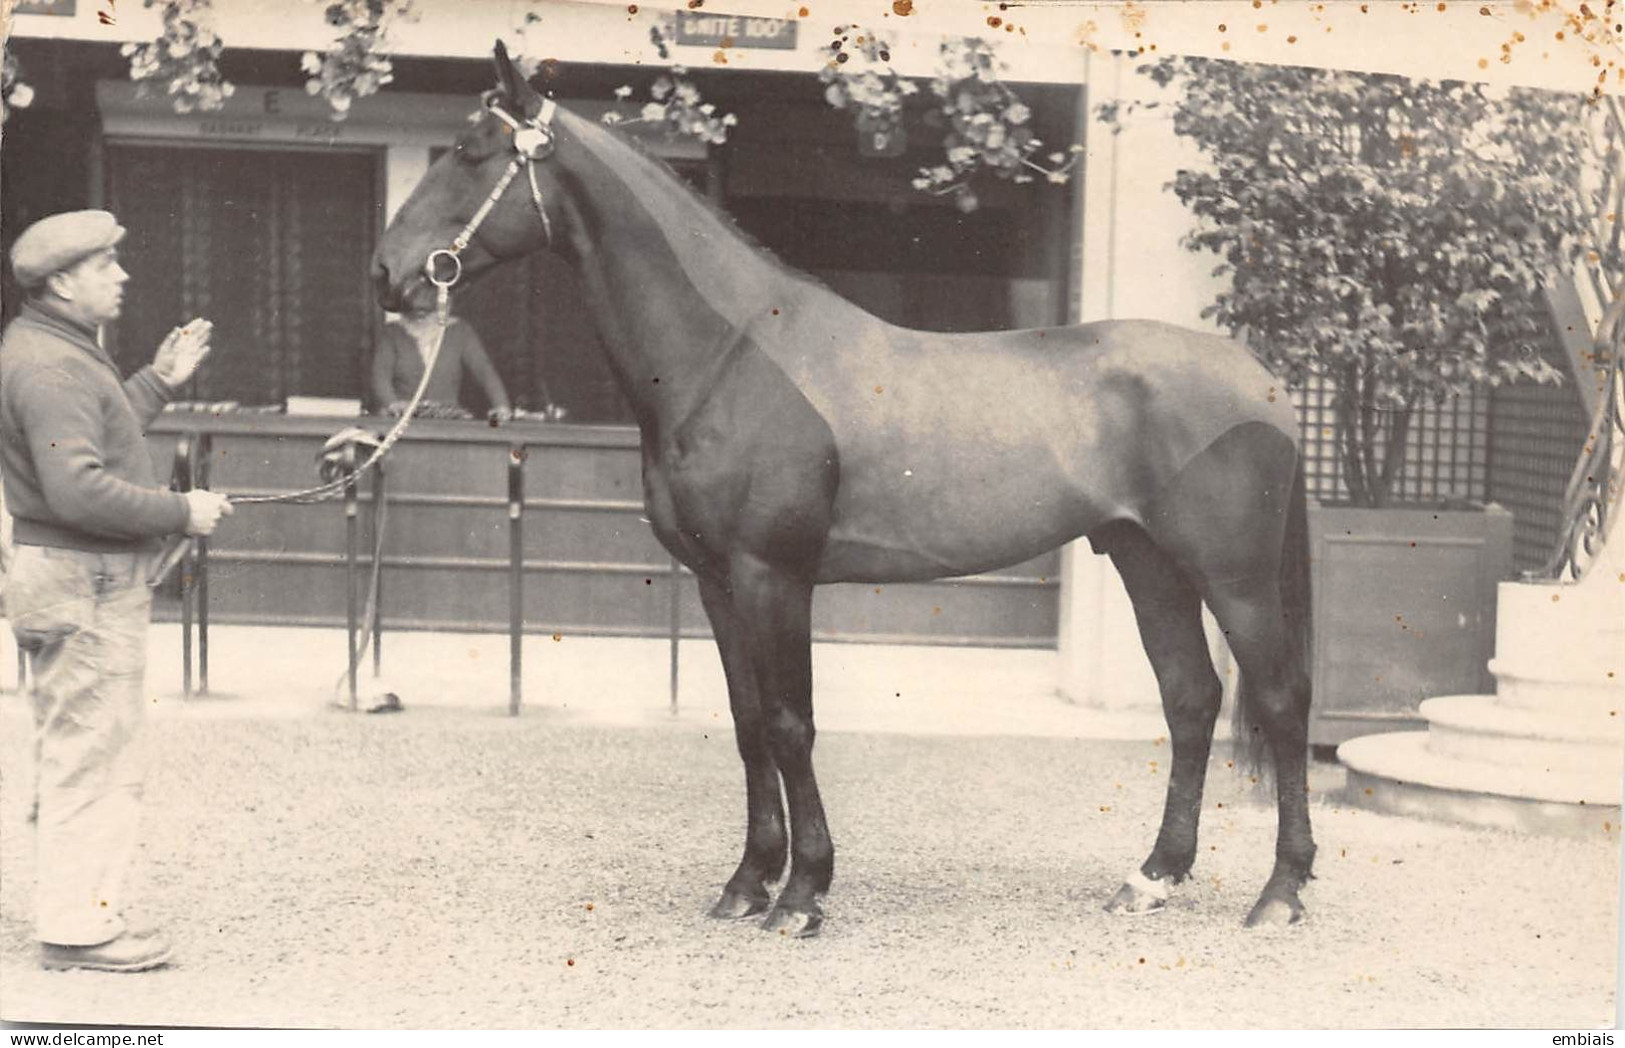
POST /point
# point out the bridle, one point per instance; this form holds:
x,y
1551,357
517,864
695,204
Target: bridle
x,y
532,141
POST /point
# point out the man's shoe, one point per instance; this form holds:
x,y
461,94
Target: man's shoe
x,y
129,952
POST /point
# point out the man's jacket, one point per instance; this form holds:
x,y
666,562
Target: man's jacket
x,y
72,440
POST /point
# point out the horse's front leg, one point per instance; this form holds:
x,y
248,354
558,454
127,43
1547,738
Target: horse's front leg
x,y
774,609
746,893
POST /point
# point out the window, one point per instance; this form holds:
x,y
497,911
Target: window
x,y
272,246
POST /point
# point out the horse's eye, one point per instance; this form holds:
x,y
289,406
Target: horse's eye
x,y
470,146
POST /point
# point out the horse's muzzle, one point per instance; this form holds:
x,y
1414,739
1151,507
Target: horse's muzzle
x,y
387,294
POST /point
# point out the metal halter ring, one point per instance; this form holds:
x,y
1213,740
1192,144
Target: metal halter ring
x,y
532,142
456,268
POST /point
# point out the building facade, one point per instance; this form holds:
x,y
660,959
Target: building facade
x,y
263,214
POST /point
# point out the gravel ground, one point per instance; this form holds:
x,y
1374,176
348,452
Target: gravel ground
x,y
452,868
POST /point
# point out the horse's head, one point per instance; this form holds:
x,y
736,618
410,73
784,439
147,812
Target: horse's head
x,y
443,221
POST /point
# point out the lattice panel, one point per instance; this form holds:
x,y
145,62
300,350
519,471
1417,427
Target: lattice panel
x,y
1446,456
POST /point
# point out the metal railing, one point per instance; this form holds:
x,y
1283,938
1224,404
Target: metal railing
x,y
1591,497
191,458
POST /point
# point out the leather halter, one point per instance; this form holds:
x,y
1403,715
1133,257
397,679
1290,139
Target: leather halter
x,y
532,141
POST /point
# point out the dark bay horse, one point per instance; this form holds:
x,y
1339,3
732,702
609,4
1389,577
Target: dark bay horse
x,y
790,439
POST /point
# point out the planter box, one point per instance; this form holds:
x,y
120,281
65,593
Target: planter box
x,y
1404,606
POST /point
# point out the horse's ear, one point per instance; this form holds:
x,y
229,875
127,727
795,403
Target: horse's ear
x,y
507,76
511,82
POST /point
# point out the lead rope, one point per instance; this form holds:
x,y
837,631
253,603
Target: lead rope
x,y
334,488
370,613
326,492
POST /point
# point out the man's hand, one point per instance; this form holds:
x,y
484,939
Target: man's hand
x,y
204,510
182,351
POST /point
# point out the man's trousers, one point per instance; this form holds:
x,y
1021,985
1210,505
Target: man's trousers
x,y
83,618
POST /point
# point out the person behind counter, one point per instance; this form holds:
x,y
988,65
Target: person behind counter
x,y
397,366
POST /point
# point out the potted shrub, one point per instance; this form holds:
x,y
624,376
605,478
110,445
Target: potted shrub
x,y
1387,242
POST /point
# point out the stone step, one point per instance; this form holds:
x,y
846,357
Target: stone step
x,y
1561,645
1406,759
1545,687
1553,739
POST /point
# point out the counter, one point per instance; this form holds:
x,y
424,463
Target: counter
x,y
591,565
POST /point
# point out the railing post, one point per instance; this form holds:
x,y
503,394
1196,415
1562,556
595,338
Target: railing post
x,y
378,496
516,576
202,454
181,480
674,609
351,513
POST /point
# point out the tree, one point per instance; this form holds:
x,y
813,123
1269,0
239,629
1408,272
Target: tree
x,y
1391,236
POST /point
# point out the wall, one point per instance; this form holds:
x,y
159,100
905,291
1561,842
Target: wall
x,y
1132,267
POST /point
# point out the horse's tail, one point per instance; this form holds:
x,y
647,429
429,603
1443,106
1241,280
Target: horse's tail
x,y
1250,740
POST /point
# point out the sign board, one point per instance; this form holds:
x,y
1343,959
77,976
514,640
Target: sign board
x,y
288,116
61,8
706,30
283,115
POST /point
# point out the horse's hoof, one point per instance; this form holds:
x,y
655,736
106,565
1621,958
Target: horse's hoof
x,y
1273,911
1138,897
796,924
737,906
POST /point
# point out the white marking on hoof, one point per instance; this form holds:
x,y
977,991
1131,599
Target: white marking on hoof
x,y
1144,885
1138,897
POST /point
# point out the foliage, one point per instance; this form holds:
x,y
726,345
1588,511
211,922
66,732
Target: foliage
x,y
14,93
184,58
987,126
861,79
984,124
675,102
357,63
1390,236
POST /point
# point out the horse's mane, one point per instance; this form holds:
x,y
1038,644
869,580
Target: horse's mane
x,y
669,175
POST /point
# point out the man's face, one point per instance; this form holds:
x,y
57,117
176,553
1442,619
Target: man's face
x,y
93,288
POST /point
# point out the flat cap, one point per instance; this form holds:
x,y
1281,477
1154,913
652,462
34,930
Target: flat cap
x,y
53,244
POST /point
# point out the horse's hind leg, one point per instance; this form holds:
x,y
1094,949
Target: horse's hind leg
x,y
1169,614
1275,694
746,893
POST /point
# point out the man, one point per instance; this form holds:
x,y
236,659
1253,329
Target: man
x,y
88,517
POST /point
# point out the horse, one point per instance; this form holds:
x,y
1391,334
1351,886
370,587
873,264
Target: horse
x,y
791,439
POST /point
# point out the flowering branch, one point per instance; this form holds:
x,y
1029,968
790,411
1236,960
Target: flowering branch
x,y
987,128
986,123
861,79
14,94
184,57
356,64
676,104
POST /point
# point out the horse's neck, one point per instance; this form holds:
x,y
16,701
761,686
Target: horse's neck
x,y
674,287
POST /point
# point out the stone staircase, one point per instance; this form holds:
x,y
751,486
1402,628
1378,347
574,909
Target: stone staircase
x,y
1546,752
